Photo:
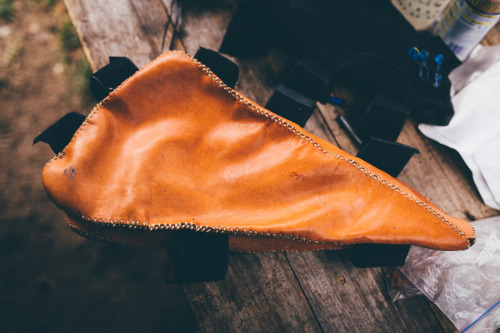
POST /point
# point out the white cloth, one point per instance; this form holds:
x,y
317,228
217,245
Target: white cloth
x,y
474,130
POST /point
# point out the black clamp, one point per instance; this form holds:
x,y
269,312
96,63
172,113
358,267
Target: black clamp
x,y
59,134
295,98
111,76
384,118
224,68
291,105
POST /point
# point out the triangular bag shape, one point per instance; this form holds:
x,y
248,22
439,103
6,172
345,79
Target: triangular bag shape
x,y
174,148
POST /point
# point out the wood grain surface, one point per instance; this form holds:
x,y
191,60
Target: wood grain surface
x,y
281,292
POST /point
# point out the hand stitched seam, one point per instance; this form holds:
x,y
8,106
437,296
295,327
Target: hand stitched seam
x,y
136,224
282,122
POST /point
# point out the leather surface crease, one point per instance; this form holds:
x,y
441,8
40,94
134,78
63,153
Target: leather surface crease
x,y
174,148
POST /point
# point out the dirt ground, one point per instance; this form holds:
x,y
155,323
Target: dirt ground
x,y
52,280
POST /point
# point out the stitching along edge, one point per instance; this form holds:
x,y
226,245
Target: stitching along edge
x,y
282,122
94,236
137,224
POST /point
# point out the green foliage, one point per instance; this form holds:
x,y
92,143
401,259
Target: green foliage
x,y
67,35
47,4
50,3
15,51
6,9
81,74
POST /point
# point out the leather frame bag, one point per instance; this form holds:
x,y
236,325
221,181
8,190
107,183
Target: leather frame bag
x,y
174,148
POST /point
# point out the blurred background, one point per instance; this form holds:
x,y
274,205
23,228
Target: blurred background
x,y
52,280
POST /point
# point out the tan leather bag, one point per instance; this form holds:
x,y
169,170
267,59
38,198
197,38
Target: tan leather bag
x,y
175,148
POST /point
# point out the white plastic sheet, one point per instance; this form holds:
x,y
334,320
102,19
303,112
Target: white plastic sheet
x,y
465,285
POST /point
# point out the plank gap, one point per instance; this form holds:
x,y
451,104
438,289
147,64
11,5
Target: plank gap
x,y
305,294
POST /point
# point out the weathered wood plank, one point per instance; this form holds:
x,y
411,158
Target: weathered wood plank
x,y
346,299
208,29
259,294
172,39
329,113
134,29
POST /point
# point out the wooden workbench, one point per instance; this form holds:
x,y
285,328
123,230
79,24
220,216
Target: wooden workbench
x,y
280,292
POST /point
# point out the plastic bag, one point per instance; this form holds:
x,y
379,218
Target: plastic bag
x,y
465,285
398,286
